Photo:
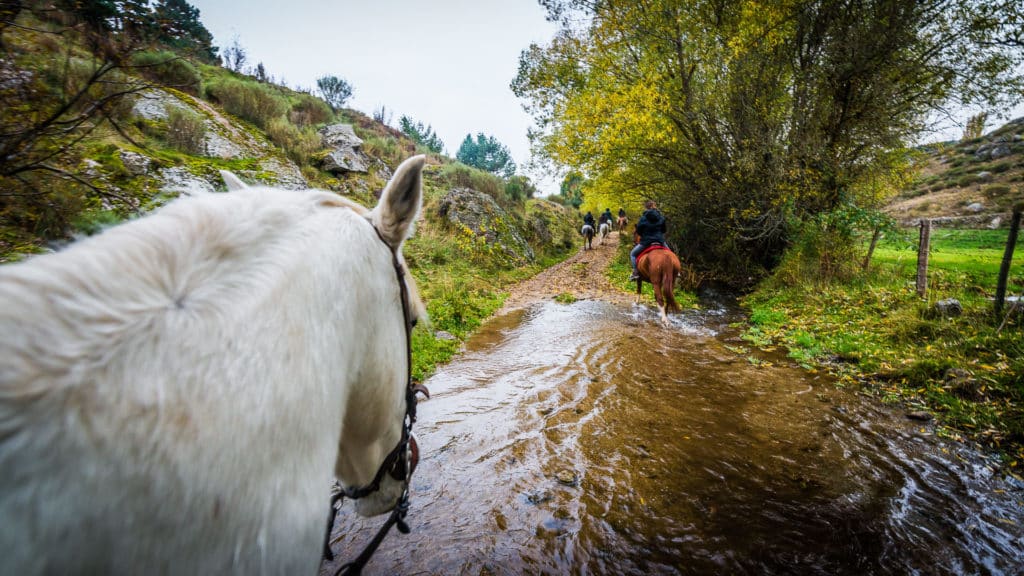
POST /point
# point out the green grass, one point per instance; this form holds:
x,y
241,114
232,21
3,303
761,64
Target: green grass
x,y
565,298
876,334
976,253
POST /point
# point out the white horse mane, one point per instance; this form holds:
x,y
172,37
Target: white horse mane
x,y
175,392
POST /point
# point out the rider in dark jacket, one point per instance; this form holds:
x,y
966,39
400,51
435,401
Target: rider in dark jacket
x,y
589,219
651,228
606,216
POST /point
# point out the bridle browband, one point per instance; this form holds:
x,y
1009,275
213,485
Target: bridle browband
x,y
401,461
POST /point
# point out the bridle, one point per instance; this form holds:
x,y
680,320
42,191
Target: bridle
x,y
401,461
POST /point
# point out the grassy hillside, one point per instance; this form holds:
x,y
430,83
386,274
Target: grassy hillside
x,y
179,121
967,184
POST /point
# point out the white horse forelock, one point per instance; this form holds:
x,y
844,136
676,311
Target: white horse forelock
x,y
175,392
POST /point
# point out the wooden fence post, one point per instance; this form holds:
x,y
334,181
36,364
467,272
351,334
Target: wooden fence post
x,y
922,257
1004,268
871,248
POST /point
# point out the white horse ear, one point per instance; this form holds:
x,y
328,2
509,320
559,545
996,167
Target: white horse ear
x,y
400,202
233,182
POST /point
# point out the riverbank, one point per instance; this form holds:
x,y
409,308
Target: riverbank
x,y
873,333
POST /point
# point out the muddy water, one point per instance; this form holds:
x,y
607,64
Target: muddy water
x,y
583,438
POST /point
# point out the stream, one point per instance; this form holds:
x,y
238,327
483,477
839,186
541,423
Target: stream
x,y
585,438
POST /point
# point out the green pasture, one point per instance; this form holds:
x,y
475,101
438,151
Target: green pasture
x,y
974,253
874,332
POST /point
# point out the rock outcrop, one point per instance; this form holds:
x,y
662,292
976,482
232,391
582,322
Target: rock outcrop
x,y
222,139
548,223
481,218
345,150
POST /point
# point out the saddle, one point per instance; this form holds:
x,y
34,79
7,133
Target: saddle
x,y
652,247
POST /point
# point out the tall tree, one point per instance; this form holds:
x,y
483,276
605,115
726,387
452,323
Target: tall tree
x,y
975,126
486,153
49,109
752,121
335,91
181,29
423,135
235,55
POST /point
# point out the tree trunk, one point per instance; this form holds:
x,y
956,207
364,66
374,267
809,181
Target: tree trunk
x,y
922,257
871,248
1004,268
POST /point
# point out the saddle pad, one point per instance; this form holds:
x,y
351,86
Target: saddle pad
x,y
650,248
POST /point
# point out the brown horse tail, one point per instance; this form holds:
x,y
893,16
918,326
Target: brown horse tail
x,y
668,279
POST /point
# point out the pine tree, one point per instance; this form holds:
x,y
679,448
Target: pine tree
x,y
423,135
181,29
488,154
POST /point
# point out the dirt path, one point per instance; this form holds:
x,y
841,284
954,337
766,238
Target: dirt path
x,y
582,275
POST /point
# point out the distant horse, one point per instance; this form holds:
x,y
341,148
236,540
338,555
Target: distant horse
x,y
588,236
603,231
622,223
659,266
177,392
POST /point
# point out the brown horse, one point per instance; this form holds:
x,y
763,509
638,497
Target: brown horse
x,y
622,223
659,266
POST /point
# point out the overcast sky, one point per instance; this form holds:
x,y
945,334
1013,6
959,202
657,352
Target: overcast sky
x,y
446,63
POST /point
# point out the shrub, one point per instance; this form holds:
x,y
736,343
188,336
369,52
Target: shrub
x,y
168,69
386,148
90,222
309,110
459,175
1000,167
252,101
298,143
966,180
994,190
186,131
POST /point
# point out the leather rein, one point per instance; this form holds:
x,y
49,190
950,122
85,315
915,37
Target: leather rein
x,y
401,461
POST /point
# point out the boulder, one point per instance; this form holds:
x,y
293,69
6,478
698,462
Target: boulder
x,y
974,207
948,308
286,174
345,154
992,150
92,168
218,146
177,180
548,223
963,384
482,218
136,164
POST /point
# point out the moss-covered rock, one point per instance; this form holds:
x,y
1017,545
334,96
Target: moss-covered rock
x,y
478,213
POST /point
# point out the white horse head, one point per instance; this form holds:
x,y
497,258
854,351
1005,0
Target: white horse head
x,y
177,392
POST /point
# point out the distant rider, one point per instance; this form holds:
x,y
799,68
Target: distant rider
x,y
651,228
606,216
588,220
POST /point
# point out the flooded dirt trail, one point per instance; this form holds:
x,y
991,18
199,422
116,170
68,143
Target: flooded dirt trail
x,y
585,438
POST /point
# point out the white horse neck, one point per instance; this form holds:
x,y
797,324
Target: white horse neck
x,y
206,353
